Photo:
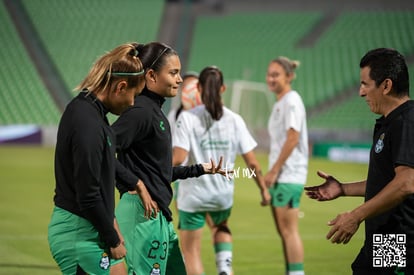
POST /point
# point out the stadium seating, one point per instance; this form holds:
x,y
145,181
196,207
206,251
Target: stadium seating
x,y
242,44
76,32
352,114
247,41
24,98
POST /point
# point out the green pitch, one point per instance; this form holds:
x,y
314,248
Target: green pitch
x,y
27,183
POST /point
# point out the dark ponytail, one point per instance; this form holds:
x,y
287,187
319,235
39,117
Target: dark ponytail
x,y
153,54
211,81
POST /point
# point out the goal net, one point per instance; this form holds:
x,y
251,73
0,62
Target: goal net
x,y
254,102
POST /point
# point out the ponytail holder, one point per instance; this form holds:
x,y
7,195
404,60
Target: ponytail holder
x,y
133,52
126,73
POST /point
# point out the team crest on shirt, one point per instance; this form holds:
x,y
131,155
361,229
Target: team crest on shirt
x,y
104,262
155,269
380,144
178,123
162,126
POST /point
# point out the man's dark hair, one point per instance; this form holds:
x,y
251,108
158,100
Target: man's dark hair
x,y
387,63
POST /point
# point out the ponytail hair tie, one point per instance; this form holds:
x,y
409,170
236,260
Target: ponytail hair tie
x,y
133,52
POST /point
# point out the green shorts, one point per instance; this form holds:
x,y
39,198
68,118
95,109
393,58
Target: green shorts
x,y
74,241
286,194
152,244
196,220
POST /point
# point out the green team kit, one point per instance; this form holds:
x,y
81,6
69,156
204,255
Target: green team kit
x,y
148,254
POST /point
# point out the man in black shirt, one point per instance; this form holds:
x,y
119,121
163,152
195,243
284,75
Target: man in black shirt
x,y
388,210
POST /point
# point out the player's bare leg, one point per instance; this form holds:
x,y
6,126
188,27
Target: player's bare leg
x,y
191,248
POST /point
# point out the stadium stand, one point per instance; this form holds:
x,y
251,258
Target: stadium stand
x,y
73,34
242,44
24,98
247,41
353,113
238,36
76,32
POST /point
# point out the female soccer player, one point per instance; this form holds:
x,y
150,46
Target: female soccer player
x,y
83,235
210,130
288,159
144,148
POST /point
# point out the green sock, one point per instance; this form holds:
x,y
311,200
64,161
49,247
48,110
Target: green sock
x,y
223,247
295,267
223,257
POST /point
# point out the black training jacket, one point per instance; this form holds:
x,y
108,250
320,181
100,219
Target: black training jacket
x,y
85,165
144,148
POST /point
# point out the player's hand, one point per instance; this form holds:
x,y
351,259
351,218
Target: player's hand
x,y
150,206
266,197
118,252
121,237
343,228
329,190
211,168
270,178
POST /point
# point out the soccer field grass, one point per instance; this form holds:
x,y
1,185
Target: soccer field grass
x,y
27,184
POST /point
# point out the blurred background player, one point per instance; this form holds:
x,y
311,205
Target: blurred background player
x,y
288,159
189,96
210,130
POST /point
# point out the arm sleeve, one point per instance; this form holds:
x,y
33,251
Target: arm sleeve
x,y
246,141
103,224
181,136
88,157
403,149
126,128
294,115
183,172
125,177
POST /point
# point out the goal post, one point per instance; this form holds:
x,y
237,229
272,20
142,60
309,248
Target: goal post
x,y
254,102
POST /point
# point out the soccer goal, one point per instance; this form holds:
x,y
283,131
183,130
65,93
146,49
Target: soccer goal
x,y
254,102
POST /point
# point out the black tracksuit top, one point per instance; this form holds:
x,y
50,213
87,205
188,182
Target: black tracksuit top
x,y
85,165
144,148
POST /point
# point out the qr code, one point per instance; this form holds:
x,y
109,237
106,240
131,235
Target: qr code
x,y
389,250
